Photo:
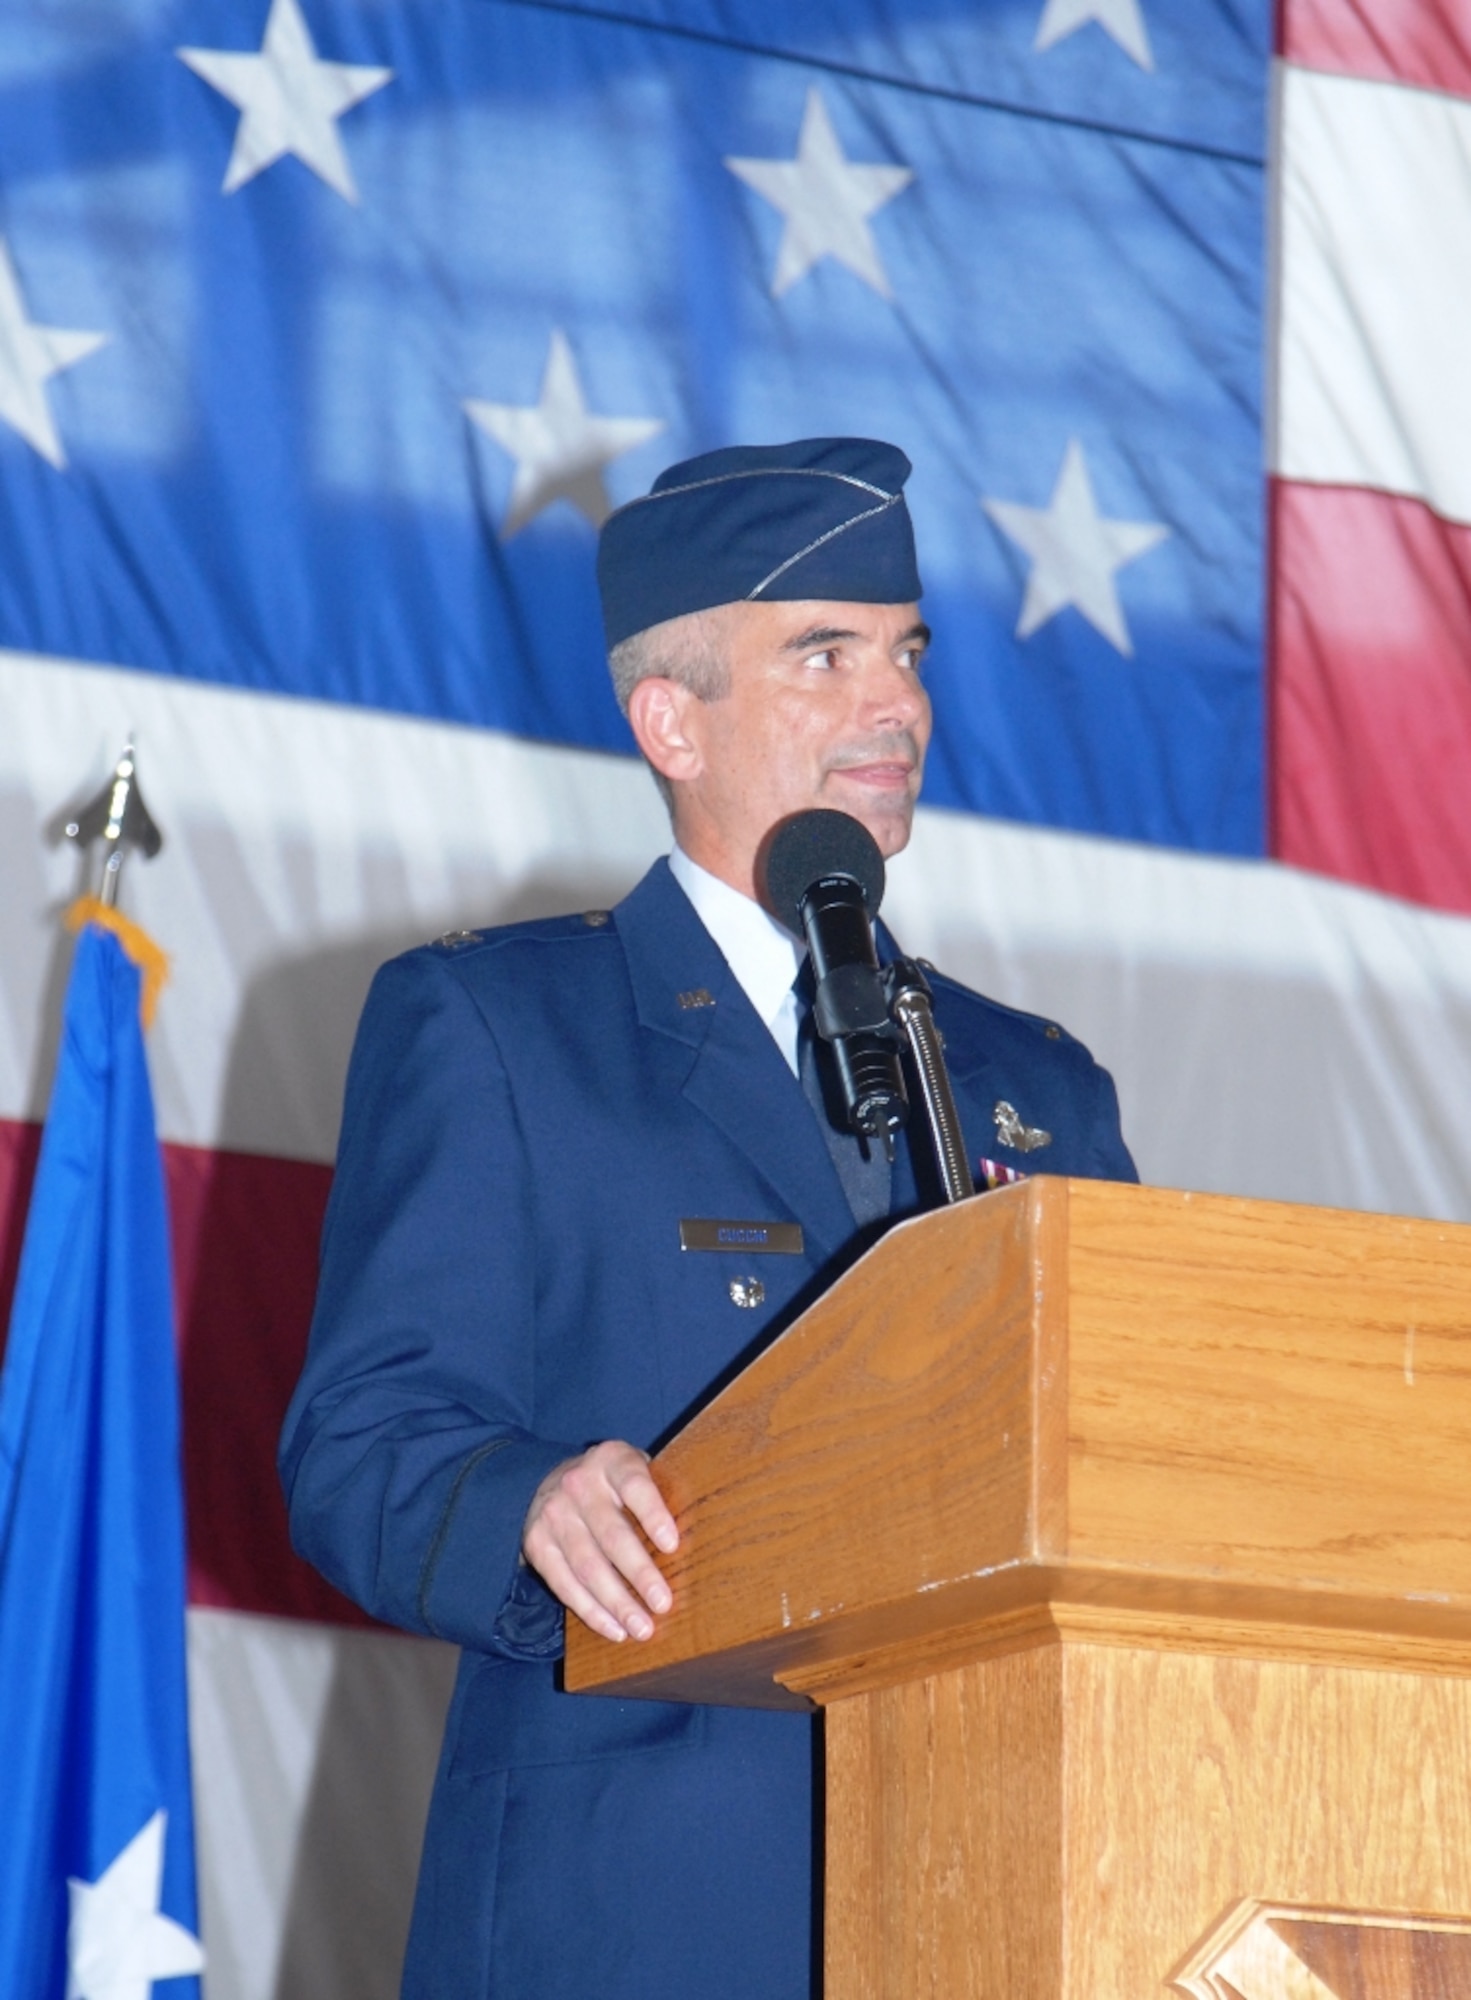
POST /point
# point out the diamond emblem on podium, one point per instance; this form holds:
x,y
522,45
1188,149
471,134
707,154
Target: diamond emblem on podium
x,y
1280,1951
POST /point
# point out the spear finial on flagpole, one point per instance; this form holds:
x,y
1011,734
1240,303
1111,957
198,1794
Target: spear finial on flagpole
x,y
118,817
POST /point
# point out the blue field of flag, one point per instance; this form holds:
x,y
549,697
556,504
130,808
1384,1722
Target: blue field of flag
x,y
328,399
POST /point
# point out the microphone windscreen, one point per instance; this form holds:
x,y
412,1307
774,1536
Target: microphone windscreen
x,y
815,844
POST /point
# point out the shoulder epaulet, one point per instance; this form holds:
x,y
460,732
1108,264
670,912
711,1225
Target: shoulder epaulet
x,y
453,943
1039,1023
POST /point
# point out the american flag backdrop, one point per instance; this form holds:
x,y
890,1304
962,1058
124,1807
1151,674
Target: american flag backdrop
x,y
329,332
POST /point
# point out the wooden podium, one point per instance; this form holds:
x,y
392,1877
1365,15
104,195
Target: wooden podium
x,y
1125,1538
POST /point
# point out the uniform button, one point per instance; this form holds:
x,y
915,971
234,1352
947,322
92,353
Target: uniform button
x,y
747,1292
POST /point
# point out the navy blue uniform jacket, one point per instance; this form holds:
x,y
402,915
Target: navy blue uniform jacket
x,y
529,1115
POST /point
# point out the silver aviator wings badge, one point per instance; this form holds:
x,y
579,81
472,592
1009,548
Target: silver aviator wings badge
x,y
1013,1132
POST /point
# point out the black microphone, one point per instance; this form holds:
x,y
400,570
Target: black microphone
x,y
825,879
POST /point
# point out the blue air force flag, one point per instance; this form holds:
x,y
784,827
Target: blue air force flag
x,y
96,1827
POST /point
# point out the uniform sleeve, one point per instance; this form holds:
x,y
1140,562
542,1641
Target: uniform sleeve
x,y
409,1454
1112,1160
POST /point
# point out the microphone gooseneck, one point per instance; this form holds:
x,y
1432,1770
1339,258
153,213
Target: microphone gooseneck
x,y
825,880
909,998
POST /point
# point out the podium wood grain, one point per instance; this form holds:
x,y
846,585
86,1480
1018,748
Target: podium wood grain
x,y
1125,1536
1073,1819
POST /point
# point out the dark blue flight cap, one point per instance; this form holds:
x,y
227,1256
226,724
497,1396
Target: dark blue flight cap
x,y
823,518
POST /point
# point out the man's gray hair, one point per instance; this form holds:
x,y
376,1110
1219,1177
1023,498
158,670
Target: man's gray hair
x,y
691,650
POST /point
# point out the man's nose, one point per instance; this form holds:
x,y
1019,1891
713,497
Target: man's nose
x,y
892,695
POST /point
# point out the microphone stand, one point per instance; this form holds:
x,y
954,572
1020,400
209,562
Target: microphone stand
x,y
908,993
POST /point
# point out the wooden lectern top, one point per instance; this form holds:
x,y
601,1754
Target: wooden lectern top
x,y
1150,1416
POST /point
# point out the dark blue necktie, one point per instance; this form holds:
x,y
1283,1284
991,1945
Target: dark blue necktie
x,y
862,1164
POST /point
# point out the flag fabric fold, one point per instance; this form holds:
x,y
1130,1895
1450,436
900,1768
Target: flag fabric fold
x,y
97,1893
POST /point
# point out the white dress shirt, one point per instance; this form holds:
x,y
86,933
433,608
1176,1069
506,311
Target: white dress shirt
x,y
763,954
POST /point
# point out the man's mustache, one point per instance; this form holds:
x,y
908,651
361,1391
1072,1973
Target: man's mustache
x,y
895,746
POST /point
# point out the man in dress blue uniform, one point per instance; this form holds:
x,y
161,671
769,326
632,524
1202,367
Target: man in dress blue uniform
x,y
507,1324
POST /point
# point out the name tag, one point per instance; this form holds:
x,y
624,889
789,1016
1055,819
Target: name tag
x,y
773,1239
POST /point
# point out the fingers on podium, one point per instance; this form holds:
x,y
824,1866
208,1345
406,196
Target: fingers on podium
x,y
581,1539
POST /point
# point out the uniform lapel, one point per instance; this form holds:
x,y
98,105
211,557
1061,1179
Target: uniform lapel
x,y
737,1076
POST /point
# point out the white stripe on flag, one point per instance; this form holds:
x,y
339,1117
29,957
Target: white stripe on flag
x,y
307,842
1375,288
314,1752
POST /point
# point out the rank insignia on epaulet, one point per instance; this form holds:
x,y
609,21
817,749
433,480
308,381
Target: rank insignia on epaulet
x,y
457,940
1012,1131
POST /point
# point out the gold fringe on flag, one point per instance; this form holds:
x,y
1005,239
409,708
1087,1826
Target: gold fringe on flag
x,y
151,959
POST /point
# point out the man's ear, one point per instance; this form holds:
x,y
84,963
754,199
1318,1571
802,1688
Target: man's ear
x,y
658,714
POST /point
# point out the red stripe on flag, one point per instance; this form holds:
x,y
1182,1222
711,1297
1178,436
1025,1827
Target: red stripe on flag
x,y
20,1146
245,1230
245,1234
1371,692
1425,42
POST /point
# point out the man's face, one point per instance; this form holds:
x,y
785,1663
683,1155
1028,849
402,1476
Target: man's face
x,y
825,708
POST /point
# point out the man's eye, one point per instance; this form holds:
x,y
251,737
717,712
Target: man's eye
x,y
827,658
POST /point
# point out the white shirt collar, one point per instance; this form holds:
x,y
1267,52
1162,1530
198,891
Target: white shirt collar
x,y
762,954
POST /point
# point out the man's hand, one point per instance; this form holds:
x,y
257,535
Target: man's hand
x,y
580,1539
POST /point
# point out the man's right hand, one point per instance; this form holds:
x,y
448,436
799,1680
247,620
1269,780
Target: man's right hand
x,y
580,1539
